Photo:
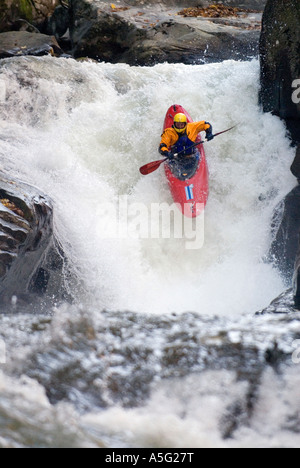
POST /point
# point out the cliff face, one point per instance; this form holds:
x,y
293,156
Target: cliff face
x,y
280,94
280,64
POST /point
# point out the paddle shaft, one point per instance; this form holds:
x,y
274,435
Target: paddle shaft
x,y
153,166
201,142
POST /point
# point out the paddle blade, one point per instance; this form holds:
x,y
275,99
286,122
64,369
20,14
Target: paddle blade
x,y
151,167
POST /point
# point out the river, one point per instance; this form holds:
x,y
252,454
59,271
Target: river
x,y
125,364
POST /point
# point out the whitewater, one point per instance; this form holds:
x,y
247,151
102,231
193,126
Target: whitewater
x,y
80,132
123,366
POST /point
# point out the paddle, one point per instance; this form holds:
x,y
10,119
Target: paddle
x,y
151,167
201,142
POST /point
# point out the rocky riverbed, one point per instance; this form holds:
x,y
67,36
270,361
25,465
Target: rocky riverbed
x,y
143,34
81,378
147,34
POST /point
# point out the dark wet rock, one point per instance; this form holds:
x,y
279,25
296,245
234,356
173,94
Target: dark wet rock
x,y
295,167
280,64
99,34
20,43
283,304
286,230
296,279
57,25
175,42
30,258
284,252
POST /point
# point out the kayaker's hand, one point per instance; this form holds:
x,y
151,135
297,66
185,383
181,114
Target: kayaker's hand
x,y
209,133
165,153
171,156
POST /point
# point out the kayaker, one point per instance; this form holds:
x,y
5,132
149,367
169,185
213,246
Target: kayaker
x,y
182,136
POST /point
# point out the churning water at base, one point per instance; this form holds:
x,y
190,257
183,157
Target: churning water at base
x,y
80,132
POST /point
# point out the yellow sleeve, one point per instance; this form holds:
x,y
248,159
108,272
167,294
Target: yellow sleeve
x,y
168,138
195,128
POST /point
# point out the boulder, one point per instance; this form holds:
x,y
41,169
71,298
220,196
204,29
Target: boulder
x,y
98,34
285,248
286,230
17,43
148,34
57,25
295,167
30,258
283,304
280,64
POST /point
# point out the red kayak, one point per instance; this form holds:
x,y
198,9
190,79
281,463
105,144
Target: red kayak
x,y
189,187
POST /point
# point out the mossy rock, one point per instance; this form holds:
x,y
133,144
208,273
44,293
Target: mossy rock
x,y
31,11
26,9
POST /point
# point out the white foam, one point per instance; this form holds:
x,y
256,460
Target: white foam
x,y
80,131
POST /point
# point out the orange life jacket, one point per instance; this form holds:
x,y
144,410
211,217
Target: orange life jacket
x,y
170,136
